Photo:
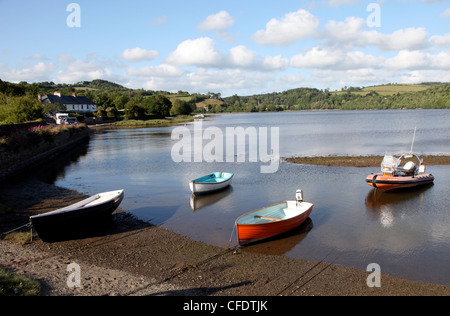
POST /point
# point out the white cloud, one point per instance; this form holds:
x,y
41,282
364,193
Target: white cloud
x,y
350,33
337,3
293,27
201,52
242,56
337,59
198,52
162,70
408,60
419,60
275,63
30,73
74,70
217,22
410,38
229,81
139,54
439,40
446,14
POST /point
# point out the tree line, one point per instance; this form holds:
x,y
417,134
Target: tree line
x,y
437,96
19,103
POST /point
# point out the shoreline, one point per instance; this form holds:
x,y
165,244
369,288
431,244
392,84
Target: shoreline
x,y
136,258
360,161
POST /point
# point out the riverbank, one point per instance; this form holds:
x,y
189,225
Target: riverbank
x,y
359,161
131,257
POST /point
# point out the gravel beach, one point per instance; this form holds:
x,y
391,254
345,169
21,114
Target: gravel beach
x,y
133,258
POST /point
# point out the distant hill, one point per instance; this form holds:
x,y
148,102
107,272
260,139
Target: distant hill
x,y
387,96
99,84
390,96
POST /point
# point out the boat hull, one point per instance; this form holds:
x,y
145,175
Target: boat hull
x,y
66,222
253,232
382,182
211,183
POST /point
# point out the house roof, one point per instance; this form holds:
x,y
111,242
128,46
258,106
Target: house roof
x,y
64,99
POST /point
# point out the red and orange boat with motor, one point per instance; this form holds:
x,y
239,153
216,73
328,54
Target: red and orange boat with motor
x,y
394,175
272,220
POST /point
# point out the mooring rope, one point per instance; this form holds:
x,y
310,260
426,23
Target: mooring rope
x,y
231,237
6,233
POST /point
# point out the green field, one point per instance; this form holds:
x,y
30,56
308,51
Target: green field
x,y
390,89
397,88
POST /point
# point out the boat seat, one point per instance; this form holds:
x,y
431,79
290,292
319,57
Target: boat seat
x,y
408,169
290,212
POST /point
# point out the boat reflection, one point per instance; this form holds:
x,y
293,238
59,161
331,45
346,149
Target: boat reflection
x,y
387,206
198,202
281,244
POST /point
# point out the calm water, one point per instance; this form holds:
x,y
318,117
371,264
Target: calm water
x,y
406,233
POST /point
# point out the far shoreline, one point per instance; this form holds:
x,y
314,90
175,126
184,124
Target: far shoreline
x,y
360,161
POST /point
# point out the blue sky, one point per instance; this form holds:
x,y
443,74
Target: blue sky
x,y
232,47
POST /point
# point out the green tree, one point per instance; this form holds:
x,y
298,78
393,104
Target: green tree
x,y
134,110
20,109
181,107
158,105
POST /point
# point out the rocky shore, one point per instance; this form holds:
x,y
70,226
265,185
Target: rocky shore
x,y
130,257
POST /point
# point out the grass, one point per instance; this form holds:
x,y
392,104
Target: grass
x,y
208,102
154,123
387,90
20,238
18,285
396,88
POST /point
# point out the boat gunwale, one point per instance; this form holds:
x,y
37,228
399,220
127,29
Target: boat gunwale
x,y
69,209
271,222
212,183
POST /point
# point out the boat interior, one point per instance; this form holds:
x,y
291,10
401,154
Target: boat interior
x,y
272,213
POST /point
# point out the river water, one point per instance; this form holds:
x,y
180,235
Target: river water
x,y
406,233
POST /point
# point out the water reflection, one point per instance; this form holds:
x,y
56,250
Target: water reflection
x,y
387,206
198,202
156,215
282,244
50,172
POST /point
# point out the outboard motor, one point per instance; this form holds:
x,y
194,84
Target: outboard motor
x,y
299,196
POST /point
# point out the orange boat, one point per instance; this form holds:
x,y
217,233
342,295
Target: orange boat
x,y
273,220
395,176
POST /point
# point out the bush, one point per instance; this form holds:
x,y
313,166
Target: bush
x,y
32,137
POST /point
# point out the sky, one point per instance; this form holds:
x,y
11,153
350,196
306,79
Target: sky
x,y
230,47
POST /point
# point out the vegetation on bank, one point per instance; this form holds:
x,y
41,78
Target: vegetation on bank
x,y
170,121
18,102
18,285
28,138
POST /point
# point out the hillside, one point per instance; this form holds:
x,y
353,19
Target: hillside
x,y
112,95
392,96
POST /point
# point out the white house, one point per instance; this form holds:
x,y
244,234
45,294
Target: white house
x,y
74,103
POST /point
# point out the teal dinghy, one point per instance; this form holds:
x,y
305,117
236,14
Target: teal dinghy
x,y
211,182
